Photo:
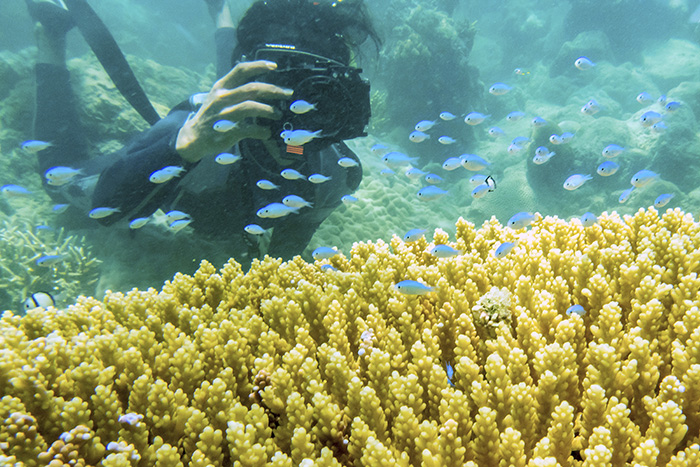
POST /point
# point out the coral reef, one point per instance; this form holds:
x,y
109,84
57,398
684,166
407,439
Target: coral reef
x,y
106,116
629,28
21,244
492,309
423,37
295,364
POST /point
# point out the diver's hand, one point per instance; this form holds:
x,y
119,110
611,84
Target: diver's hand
x,y
235,98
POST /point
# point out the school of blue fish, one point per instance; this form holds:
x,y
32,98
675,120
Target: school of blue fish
x,y
651,119
395,161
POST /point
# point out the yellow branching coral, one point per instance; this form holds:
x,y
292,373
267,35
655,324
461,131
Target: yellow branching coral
x,y
21,244
294,364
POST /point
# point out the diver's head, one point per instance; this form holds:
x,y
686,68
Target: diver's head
x,y
330,28
312,42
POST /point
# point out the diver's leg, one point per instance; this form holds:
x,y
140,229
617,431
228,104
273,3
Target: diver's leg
x,y
225,35
56,119
220,13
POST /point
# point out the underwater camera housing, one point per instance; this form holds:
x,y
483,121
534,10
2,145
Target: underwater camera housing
x,y
338,92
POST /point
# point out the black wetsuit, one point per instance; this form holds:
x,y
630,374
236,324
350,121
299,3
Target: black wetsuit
x,y
221,199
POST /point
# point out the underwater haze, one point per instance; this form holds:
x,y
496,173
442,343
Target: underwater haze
x,y
567,108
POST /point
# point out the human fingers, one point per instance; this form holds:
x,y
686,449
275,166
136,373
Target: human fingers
x,y
249,109
255,132
222,99
255,91
243,72
242,130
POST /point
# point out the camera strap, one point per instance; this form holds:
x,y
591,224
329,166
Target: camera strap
x,y
111,57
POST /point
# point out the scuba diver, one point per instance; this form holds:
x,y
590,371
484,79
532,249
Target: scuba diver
x,y
286,98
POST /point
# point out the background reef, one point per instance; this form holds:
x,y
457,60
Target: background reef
x,y
294,364
437,56
21,245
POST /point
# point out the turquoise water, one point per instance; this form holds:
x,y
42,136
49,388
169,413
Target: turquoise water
x,y
437,56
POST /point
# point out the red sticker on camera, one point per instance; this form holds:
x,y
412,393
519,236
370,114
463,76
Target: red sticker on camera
x,y
295,149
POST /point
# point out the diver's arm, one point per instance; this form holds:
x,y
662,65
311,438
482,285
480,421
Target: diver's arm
x,y
125,183
238,99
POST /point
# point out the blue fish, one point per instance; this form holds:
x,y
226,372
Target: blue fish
x,y
226,158
480,191
625,195
672,106
222,126
276,210
291,174
99,213
520,140
300,137
446,140
521,220
14,190
592,107
607,168
418,136
396,159
179,224
475,118
650,118
48,261
538,122
410,287
318,178
413,235
254,229
33,146
659,127
324,252
575,309
503,249
556,139
473,162
644,98
301,107
478,179
584,63
450,373
643,178
138,223
566,137
425,125
575,181
499,89
495,132
612,150
379,148
444,251
452,163
663,200
515,116
431,193
433,179
348,200
588,219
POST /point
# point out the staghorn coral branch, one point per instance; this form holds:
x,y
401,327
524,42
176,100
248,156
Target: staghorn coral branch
x,y
288,364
